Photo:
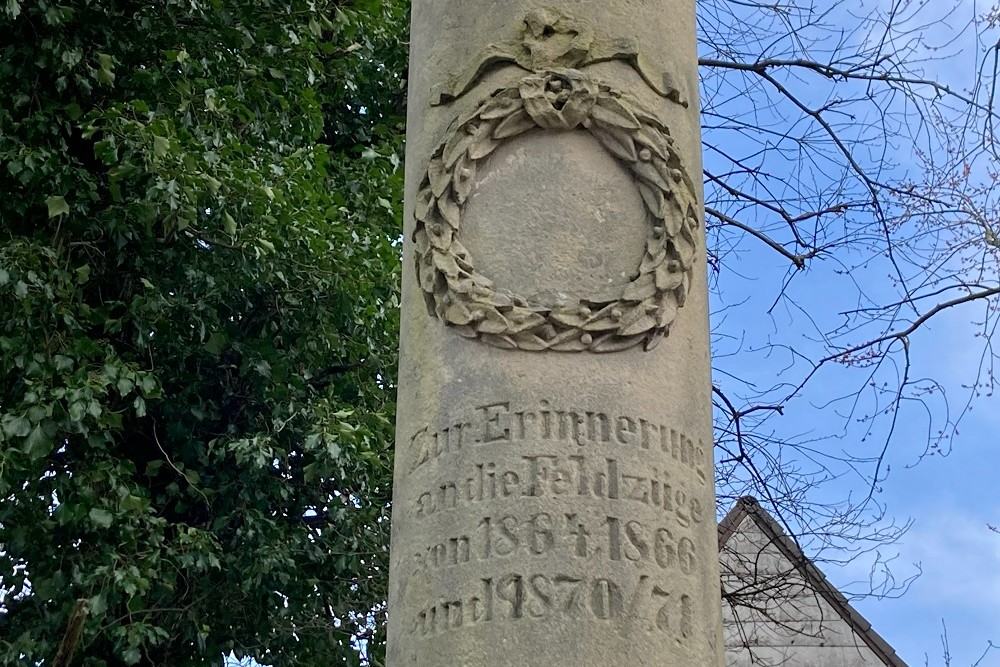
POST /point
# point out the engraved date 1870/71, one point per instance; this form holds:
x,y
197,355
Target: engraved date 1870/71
x,y
513,597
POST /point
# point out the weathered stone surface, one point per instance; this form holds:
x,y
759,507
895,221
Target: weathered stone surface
x,y
540,260
554,500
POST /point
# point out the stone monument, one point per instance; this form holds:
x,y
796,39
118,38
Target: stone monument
x,y
554,500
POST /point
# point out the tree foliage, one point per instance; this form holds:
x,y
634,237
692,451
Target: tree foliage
x,y
197,278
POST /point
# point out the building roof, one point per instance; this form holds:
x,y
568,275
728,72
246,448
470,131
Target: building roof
x,y
748,506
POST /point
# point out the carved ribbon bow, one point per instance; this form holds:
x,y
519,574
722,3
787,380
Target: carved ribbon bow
x,y
551,40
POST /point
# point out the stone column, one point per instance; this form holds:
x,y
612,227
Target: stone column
x,y
554,501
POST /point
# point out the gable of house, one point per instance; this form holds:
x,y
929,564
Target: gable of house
x,y
779,609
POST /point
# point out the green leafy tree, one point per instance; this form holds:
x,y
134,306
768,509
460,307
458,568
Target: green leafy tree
x,y
198,260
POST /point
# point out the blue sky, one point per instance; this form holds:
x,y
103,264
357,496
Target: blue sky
x,y
952,499
762,310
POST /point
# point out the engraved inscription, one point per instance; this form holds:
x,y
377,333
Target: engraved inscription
x,y
633,541
454,551
552,476
507,536
534,511
567,535
513,597
503,424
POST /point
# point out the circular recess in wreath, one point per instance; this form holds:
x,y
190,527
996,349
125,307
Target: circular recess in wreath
x,y
640,311
552,217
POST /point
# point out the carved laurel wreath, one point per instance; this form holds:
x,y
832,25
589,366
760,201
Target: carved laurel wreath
x,y
558,99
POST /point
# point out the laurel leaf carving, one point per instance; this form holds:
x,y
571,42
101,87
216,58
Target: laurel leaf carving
x,y
449,209
470,303
685,250
522,319
543,114
425,199
692,217
495,323
653,197
672,219
483,146
631,315
458,313
531,342
420,241
614,343
458,249
569,344
641,288
505,342
425,271
571,318
610,111
502,105
513,125
464,177
652,263
482,281
602,324
667,310
619,143
457,146
466,331
654,141
440,237
641,325
446,263
649,119
666,279
438,176
497,300
653,339
648,172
